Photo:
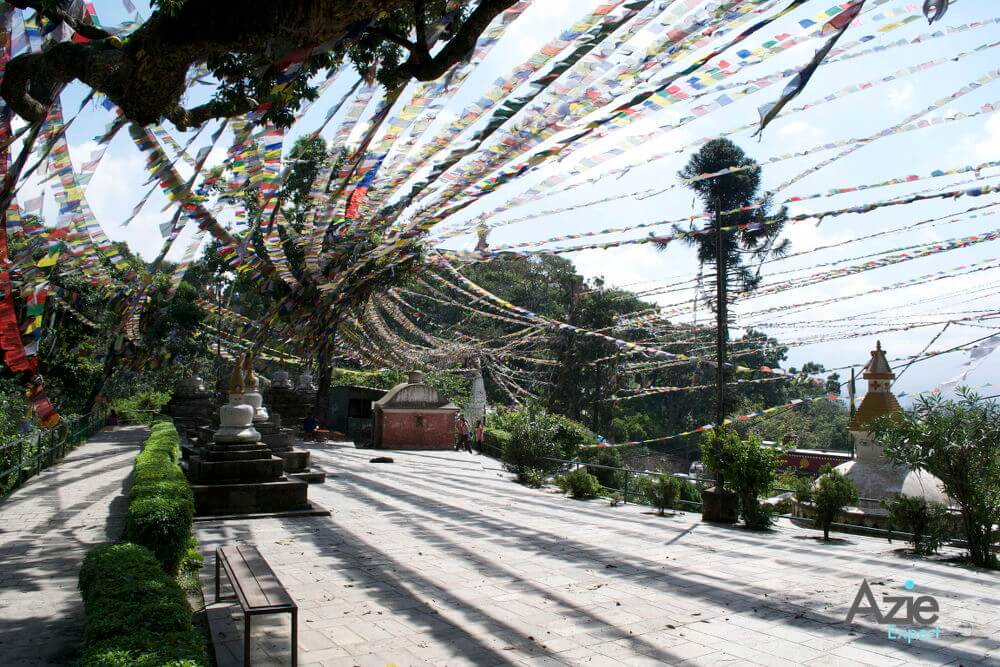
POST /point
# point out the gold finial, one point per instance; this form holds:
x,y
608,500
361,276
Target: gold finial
x,y
249,379
236,385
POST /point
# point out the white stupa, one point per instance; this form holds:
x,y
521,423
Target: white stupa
x,y
875,476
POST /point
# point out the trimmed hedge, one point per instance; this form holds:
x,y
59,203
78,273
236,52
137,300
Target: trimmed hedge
x,y
136,614
161,505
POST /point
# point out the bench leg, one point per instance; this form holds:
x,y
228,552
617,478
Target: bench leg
x,y
295,637
246,639
218,590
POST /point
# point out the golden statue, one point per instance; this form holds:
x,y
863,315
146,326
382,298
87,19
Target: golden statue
x,y
236,385
250,381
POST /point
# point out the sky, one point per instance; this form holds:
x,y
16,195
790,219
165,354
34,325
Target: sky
x,y
121,181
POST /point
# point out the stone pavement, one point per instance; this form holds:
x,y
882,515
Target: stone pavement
x,y
46,528
440,559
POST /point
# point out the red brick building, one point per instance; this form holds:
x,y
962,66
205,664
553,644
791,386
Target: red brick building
x,y
412,415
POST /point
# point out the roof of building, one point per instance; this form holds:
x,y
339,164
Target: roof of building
x,y
875,404
878,364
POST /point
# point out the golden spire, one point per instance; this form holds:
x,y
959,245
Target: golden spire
x,y
250,381
236,385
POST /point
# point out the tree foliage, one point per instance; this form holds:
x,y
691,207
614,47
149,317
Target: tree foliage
x,y
247,46
957,441
833,494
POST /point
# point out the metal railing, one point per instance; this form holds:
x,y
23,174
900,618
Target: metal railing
x,y
25,457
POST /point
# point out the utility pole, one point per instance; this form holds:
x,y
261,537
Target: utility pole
x,y
720,318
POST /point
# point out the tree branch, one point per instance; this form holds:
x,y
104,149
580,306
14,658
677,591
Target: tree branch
x,y
420,20
57,14
456,49
390,36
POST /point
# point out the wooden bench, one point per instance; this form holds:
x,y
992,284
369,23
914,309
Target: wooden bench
x,y
257,589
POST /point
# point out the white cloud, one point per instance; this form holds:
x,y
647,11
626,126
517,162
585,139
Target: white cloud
x,y
900,97
989,147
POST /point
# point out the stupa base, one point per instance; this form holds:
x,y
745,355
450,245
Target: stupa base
x,y
285,495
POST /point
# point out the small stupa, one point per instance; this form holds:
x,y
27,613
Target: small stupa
x,y
875,476
249,386
190,405
236,473
294,402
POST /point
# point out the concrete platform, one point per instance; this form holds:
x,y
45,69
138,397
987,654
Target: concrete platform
x,y
440,559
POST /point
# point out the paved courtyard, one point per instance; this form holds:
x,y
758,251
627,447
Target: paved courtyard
x,y
439,559
46,528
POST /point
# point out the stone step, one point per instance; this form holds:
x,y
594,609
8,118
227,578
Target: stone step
x,y
250,498
222,454
225,472
296,460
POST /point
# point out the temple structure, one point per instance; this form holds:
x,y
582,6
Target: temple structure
x,y
874,475
413,415
235,473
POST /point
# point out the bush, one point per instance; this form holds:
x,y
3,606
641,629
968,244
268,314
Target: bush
x,y
580,484
532,442
689,491
140,408
533,477
135,613
494,440
605,456
959,443
832,495
161,505
662,492
928,521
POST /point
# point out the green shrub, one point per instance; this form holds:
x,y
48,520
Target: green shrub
x,y
747,467
580,484
832,495
928,521
135,613
161,505
662,492
689,491
494,440
140,408
538,438
605,456
533,477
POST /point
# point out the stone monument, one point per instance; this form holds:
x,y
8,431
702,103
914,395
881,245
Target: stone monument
x,y
236,473
875,476
190,405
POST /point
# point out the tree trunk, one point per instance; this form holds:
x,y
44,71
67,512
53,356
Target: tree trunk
x,y
323,384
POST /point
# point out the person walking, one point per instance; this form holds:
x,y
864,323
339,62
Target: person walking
x,y
463,434
480,435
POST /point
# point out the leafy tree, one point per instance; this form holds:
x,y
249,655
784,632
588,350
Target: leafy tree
x,y
833,493
731,199
722,194
747,466
246,45
957,441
